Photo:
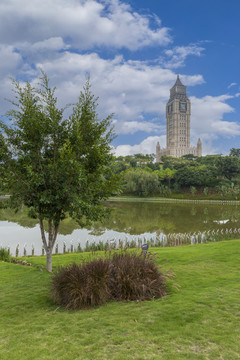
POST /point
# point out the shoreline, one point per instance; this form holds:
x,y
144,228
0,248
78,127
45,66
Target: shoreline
x,y
170,200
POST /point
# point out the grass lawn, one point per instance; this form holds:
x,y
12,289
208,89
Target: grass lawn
x,y
200,320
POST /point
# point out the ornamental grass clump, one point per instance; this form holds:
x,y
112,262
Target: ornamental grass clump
x,y
135,277
122,276
79,286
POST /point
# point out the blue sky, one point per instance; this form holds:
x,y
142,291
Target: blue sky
x,y
133,51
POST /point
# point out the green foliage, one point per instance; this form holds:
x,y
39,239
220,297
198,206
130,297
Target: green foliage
x,y
205,191
176,187
5,255
123,163
164,190
141,182
57,166
193,190
194,175
124,276
3,157
171,162
189,157
228,166
235,152
226,188
165,175
179,174
208,160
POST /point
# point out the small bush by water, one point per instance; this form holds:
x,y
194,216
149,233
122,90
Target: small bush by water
x,y
124,276
5,255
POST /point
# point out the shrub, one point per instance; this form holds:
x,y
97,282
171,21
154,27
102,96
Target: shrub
x,y
79,286
124,276
193,190
135,277
4,255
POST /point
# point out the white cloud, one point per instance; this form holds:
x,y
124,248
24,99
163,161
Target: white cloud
x,y
41,50
131,127
10,60
53,43
207,116
84,24
129,89
208,124
147,146
232,84
176,57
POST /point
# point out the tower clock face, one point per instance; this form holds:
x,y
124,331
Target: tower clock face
x,y
183,106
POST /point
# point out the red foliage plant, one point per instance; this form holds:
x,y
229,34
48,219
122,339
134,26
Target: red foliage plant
x,y
123,276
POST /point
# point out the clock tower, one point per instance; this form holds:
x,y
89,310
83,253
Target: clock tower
x,y
178,114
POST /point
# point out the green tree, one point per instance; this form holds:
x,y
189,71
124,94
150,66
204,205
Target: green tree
x,y
194,175
189,157
228,166
55,166
165,174
3,158
235,152
141,182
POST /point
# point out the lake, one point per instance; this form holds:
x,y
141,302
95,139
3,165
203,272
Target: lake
x,y
129,221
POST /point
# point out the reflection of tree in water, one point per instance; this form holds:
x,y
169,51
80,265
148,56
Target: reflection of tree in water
x,y
97,231
136,218
139,217
193,211
19,217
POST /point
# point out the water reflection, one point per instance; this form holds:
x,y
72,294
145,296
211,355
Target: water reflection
x,y
128,220
144,216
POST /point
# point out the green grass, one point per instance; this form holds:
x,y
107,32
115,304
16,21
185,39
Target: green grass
x,y
200,320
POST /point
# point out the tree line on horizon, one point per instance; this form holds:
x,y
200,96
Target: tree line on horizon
x,y
210,174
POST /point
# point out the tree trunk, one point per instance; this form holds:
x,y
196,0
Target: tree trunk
x,y
49,260
52,235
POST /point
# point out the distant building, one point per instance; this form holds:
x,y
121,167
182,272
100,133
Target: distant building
x,y
178,113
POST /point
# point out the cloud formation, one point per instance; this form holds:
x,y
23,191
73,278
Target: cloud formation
x,y
232,84
176,57
129,89
207,116
83,24
147,146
